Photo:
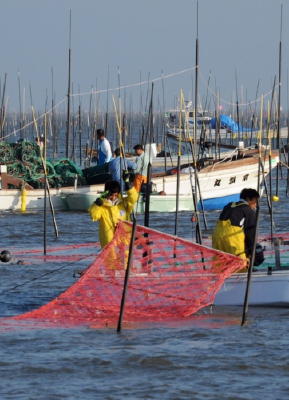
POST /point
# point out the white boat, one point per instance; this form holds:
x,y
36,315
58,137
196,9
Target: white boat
x,y
220,183
269,286
12,199
188,113
265,289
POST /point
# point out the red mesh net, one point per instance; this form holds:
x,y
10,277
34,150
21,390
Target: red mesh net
x,y
170,278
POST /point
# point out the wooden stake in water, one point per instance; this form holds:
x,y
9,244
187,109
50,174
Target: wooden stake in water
x,y
45,190
150,133
45,175
252,258
249,275
181,125
129,262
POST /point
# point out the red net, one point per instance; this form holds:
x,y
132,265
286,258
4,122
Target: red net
x,y
170,278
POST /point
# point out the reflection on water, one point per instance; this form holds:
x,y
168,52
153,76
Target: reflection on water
x,y
206,356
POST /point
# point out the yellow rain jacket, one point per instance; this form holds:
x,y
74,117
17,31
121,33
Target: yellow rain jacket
x,y
109,214
234,232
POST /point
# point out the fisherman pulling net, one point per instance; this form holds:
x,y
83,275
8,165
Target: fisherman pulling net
x,y
170,278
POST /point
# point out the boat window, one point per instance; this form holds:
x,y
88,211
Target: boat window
x,y
245,177
232,180
217,182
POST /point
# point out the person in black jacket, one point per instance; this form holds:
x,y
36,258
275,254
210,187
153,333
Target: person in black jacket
x,y
235,229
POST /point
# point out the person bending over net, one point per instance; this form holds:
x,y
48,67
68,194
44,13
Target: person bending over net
x,y
112,207
235,230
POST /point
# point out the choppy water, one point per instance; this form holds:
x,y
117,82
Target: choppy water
x,y
208,357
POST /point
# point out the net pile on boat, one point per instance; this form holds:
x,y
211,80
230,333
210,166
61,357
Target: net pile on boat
x,y
23,161
170,278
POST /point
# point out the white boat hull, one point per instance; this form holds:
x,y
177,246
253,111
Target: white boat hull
x,y
265,290
215,182
10,199
219,181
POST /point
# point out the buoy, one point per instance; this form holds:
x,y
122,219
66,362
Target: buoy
x,y
5,256
23,199
275,198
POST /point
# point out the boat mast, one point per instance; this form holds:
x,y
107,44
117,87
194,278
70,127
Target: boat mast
x,y
196,186
107,102
279,102
279,81
196,78
3,108
20,107
181,128
237,106
150,135
68,91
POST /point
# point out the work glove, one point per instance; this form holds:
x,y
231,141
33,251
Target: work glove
x,y
125,176
127,185
99,201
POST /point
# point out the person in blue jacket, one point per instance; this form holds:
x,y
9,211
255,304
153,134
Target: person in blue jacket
x,y
118,165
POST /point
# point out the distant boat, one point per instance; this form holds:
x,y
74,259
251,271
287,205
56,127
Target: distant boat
x,y
188,113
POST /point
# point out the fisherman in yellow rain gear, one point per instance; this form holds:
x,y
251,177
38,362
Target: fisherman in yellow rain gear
x,y
235,229
112,207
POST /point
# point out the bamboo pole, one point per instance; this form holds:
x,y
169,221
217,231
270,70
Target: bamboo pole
x,y
179,161
45,176
127,271
252,259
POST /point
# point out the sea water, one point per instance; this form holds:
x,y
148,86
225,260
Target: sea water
x,y
207,357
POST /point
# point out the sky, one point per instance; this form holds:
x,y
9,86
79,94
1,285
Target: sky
x,y
141,40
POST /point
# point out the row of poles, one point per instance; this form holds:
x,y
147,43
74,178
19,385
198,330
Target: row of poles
x,y
147,137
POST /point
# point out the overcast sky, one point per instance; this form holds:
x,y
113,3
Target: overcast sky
x,y
142,38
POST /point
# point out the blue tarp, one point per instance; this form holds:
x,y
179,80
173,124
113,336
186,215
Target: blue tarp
x,y
228,123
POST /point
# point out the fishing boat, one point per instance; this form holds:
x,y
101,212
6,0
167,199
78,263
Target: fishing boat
x,y
269,285
267,288
203,117
220,183
33,199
